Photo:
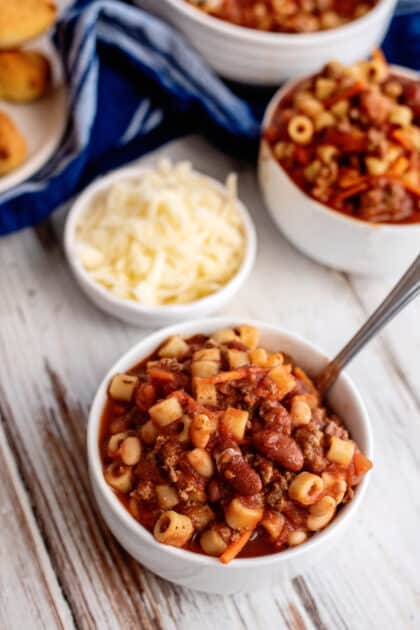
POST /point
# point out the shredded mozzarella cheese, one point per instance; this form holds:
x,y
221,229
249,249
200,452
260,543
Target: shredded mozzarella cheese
x,y
165,237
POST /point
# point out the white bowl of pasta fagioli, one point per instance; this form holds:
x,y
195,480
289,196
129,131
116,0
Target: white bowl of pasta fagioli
x,y
191,568
357,239
153,246
266,58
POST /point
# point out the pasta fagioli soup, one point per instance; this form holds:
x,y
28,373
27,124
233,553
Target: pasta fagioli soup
x,y
286,16
350,138
218,446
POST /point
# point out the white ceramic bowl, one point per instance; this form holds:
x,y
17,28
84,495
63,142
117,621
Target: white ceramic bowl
x,y
128,310
199,571
260,58
326,235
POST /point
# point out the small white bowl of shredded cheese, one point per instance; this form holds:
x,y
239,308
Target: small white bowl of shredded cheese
x,y
154,246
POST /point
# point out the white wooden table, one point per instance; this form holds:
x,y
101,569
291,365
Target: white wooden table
x,y
61,568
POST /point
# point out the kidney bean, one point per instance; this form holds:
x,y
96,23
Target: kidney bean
x,y
280,448
214,492
235,470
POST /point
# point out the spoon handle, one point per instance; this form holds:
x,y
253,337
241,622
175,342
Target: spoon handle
x,y
404,291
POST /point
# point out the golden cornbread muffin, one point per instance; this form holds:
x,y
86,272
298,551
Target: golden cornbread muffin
x,y
24,75
13,149
22,20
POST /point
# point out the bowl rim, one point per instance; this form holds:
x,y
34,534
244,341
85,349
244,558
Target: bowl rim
x,y
317,205
260,37
81,204
133,355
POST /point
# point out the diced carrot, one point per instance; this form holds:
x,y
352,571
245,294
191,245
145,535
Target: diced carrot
x,y
415,190
361,463
370,180
193,406
224,377
346,93
160,374
348,177
304,377
357,187
236,547
399,166
401,136
232,375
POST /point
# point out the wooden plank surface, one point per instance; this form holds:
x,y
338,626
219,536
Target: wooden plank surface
x,y
60,567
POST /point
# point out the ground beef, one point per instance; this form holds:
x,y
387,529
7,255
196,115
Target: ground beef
x,y
376,106
228,395
335,427
169,364
266,469
276,497
145,491
310,440
319,416
387,202
168,453
377,142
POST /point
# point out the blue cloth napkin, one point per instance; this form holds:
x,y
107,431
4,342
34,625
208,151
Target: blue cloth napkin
x,y
402,43
134,83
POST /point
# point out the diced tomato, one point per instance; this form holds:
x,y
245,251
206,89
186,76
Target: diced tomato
x,y
145,396
302,156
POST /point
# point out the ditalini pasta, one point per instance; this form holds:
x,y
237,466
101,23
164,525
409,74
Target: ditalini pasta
x,y
167,236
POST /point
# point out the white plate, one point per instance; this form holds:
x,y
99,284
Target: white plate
x,y
41,122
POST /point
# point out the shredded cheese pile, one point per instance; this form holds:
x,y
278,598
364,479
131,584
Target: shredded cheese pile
x,y
165,237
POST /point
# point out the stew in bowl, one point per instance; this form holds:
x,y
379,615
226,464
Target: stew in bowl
x,y
285,16
349,137
220,447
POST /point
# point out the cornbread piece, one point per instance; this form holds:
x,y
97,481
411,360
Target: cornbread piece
x,y
24,75
13,148
22,20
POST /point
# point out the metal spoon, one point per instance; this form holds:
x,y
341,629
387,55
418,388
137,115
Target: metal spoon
x,y
404,291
